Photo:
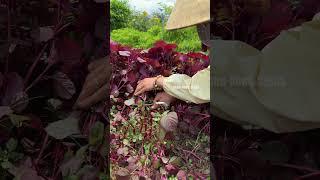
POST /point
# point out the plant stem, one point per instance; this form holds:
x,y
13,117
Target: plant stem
x,y
38,78
42,148
300,168
192,153
311,175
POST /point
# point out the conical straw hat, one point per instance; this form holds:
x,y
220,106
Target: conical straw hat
x,y
188,13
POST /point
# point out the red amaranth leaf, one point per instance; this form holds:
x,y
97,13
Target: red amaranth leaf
x,y
167,47
20,102
182,175
114,46
154,63
132,77
160,59
5,110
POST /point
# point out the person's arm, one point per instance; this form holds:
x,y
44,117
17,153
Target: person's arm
x,y
195,89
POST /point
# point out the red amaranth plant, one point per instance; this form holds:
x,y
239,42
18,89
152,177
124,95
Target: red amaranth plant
x,y
137,144
44,51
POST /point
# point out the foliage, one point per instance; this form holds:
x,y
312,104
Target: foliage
x,y
120,14
135,38
142,21
163,13
45,50
143,30
138,145
187,39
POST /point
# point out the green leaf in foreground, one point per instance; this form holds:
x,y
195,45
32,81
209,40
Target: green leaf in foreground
x,y
11,144
17,120
96,134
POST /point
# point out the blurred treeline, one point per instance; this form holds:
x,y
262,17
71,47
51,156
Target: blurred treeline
x,y
140,30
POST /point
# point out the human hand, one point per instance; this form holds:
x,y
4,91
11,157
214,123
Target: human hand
x,y
96,85
144,85
162,97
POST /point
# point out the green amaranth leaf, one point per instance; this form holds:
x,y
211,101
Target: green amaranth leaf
x,y
17,120
64,128
11,144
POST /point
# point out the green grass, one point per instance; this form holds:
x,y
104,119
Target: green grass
x,y
186,39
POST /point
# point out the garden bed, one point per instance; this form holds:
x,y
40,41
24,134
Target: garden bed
x,y
139,146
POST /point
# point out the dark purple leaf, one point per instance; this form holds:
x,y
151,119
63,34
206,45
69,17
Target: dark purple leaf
x,y
14,85
5,110
143,71
71,166
132,77
20,102
63,86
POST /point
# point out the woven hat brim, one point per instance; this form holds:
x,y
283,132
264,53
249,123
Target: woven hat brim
x,y
188,13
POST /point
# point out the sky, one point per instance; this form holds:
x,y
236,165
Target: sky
x,y
149,5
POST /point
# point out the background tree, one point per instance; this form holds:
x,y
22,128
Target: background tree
x,y
142,30
120,13
163,13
